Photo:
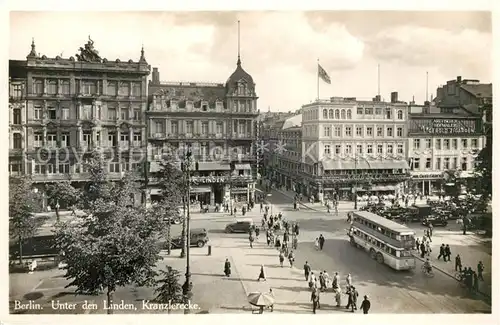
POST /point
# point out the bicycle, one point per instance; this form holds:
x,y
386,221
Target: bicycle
x,y
428,272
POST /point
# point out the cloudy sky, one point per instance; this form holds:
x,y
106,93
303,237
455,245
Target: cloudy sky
x,y
279,49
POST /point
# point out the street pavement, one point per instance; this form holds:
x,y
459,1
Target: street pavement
x,y
390,291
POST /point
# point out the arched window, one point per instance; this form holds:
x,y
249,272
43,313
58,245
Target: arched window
x,y
325,114
342,114
400,115
330,114
337,114
349,114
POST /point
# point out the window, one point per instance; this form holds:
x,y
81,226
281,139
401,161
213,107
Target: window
x,y
137,139
454,163
124,89
359,149
348,131
114,167
416,143
327,131
111,88
428,143
390,148
330,114
111,113
52,113
368,111
40,169
400,148
388,113
338,131
52,87
111,139
16,114
438,144
327,149
18,142
189,127
64,87
359,111
446,163
38,86
464,143
17,91
399,132
473,143
349,114
124,140
446,144
38,113
337,114
51,169
454,144
342,114
464,163
416,163
38,140
438,163
380,148
136,89
369,148
369,131
389,132
428,163
65,113
88,87
337,149
325,114
15,167
348,149
359,131
218,128
137,114
87,139
204,128
159,126
378,111
380,131
400,114
175,127
124,113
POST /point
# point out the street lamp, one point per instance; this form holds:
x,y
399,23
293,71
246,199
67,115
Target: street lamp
x,y
187,286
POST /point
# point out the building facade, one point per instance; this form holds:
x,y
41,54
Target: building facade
x,y
289,158
354,146
218,121
61,109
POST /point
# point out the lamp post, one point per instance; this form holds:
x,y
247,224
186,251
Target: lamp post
x,y
187,286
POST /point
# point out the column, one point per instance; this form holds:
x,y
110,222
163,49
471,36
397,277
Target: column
x,y
44,136
94,137
423,187
130,136
58,90
118,136
44,86
130,84
79,136
58,135
118,110
248,192
430,187
212,196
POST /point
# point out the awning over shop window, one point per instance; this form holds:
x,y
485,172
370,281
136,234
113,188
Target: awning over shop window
x,y
364,164
383,188
210,165
201,189
242,167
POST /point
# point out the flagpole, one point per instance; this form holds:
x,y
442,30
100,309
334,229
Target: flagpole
x,y
317,75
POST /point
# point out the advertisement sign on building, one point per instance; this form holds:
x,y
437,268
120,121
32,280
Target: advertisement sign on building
x,y
447,126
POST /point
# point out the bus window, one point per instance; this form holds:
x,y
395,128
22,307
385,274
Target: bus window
x,y
406,253
398,253
394,252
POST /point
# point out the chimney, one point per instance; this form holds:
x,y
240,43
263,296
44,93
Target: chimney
x,y
394,97
156,76
376,98
459,79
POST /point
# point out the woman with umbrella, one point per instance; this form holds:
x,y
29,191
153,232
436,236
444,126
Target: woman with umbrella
x,y
262,274
261,300
227,268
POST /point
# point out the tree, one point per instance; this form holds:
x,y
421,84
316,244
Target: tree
x,y
23,203
115,244
483,172
63,192
169,290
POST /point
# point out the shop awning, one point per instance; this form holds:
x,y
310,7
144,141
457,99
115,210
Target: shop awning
x,y
210,165
201,189
383,188
155,191
364,164
242,167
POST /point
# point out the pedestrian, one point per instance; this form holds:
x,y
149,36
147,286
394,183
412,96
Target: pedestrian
x,y
475,282
316,244
458,263
354,298
251,239
278,243
227,268
447,253
430,229
321,241
442,252
257,232
297,229
261,207
348,280
322,281
307,270
262,274
469,278
349,294
282,258
428,249
338,297
315,299
291,258
268,238
335,283
422,250
417,243
285,237
480,269
312,280
295,242
365,305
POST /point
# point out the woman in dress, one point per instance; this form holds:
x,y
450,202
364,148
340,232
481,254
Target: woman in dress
x,y
316,244
262,274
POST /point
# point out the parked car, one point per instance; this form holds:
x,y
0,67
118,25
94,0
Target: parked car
x,y
435,221
198,238
177,219
242,226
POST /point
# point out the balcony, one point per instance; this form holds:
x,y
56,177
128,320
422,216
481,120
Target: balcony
x,y
158,136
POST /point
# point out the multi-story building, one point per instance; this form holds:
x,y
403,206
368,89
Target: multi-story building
x,y
352,146
63,108
218,121
288,153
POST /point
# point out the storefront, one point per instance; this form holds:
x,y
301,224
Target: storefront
x,y
426,183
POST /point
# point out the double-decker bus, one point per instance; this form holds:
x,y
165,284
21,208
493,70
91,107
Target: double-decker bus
x,y
387,242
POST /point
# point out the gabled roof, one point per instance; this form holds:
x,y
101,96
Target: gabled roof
x,y
292,121
479,90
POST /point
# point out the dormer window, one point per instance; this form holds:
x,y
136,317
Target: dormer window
x,y
241,88
173,103
219,105
189,104
204,106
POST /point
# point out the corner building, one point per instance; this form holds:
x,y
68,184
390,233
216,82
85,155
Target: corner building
x,y
349,143
219,122
61,109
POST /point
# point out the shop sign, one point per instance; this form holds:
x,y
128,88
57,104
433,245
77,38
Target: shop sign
x,y
445,126
428,176
208,179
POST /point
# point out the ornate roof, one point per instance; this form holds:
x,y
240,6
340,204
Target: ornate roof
x,y
238,75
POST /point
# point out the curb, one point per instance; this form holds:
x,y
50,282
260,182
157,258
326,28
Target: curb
x,y
447,273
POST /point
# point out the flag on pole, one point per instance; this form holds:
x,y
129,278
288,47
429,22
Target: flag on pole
x,y
323,75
